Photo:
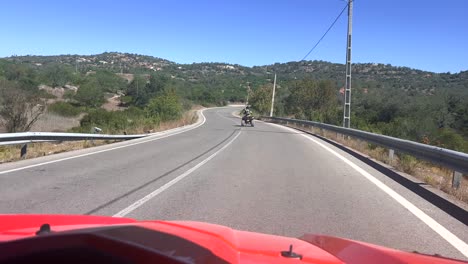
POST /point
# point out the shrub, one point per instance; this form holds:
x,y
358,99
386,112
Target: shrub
x,y
450,139
110,122
408,163
64,109
117,122
165,106
90,94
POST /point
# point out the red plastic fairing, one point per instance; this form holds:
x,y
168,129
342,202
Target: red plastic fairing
x,y
230,245
245,247
351,252
20,226
12,221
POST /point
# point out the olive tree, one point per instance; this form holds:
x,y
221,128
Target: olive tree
x,y
18,110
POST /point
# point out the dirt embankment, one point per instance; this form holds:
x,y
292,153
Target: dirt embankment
x,y
113,103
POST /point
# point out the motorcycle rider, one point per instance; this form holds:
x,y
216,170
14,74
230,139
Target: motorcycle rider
x,y
247,117
246,112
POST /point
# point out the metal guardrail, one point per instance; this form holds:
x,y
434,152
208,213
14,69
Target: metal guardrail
x,y
24,138
458,161
21,142
35,137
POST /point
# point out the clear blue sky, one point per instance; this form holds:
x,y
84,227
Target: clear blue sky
x,y
429,35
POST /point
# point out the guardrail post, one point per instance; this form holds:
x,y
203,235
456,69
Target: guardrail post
x,y
339,137
391,155
456,179
95,130
24,150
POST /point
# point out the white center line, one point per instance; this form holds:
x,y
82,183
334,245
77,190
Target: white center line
x,y
166,186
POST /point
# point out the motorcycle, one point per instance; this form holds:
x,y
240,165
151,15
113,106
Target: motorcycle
x,y
247,120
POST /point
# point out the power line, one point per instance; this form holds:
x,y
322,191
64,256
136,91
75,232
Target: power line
x,y
318,42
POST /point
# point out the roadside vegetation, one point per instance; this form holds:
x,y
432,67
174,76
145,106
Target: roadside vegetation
x,y
12,152
407,103
29,92
439,119
65,109
421,106
130,93
44,98
436,114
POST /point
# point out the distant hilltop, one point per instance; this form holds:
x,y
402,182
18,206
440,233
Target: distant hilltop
x,y
365,75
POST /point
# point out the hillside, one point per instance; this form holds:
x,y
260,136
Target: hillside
x,y
365,75
397,101
229,79
113,61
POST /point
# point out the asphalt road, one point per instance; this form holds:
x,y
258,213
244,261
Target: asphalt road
x,y
265,179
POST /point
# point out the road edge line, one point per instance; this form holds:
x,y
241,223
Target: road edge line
x,y
452,239
164,134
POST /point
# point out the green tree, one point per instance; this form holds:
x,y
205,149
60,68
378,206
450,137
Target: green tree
x,y
447,138
157,83
260,99
136,89
57,75
166,107
64,109
313,100
23,75
196,93
109,81
90,94
18,109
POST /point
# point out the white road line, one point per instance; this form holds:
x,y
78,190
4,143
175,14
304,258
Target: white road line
x,y
166,186
109,149
456,242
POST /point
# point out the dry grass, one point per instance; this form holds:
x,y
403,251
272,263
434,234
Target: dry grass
x,y
187,118
441,178
434,175
12,153
55,123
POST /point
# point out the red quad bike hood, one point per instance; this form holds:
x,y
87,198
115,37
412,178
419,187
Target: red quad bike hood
x,y
98,239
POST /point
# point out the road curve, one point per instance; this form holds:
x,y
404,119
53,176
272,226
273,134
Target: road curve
x,y
264,178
